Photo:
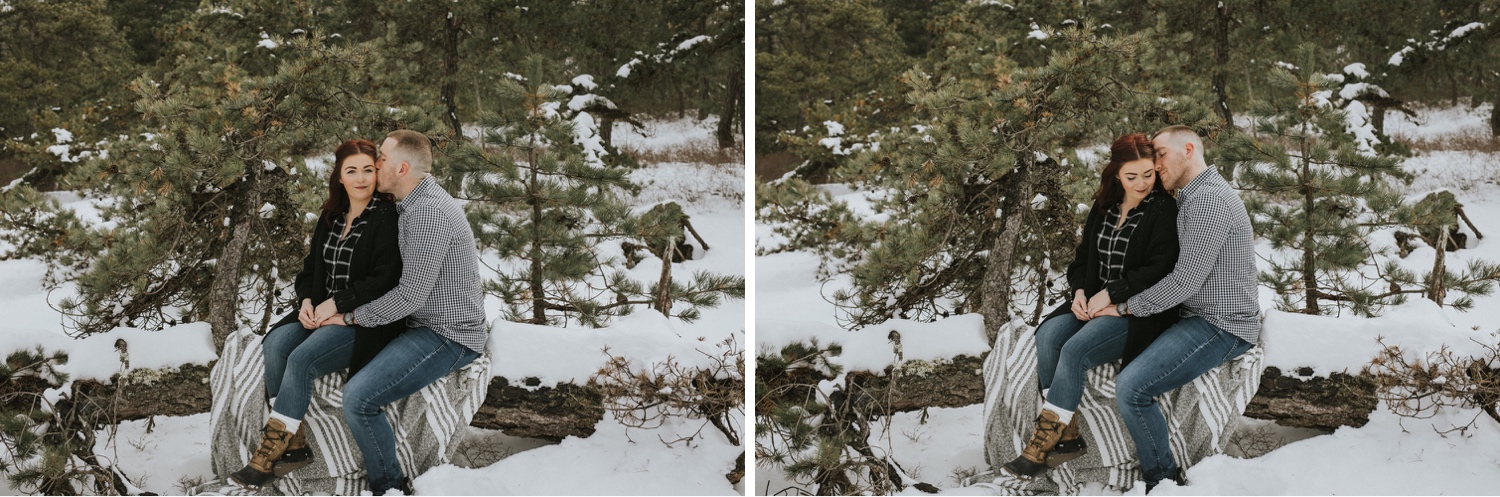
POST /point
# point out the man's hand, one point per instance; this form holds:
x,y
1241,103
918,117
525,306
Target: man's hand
x,y
305,316
325,310
1098,302
1080,306
336,319
1108,310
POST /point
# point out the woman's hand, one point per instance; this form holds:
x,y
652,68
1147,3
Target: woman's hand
x,y
1098,302
305,316
1080,306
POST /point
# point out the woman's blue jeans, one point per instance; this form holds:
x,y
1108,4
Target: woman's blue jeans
x,y
1180,355
1067,348
412,361
295,356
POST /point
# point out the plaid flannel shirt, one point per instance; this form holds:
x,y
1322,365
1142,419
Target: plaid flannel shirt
x,y
1215,273
440,286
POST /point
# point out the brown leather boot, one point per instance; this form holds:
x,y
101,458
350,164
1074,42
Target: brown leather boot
x,y
1069,447
273,442
297,455
1033,458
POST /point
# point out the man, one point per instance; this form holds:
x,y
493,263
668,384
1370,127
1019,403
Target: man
x,y
439,290
1214,280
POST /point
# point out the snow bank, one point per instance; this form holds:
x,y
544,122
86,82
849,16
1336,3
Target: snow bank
x,y
870,348
572,355
1329,344
614,461
95,357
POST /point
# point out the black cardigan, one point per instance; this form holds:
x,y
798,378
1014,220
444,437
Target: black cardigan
x,y
374,270
1151,255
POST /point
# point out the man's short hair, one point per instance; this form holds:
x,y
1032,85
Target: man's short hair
x,y
413,148
1179,134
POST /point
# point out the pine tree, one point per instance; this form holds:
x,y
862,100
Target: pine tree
x,y
63,66
547,193
1320,187
207,204
973,192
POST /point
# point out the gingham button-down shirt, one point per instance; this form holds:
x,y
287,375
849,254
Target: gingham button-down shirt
x,y
1215,272
439,285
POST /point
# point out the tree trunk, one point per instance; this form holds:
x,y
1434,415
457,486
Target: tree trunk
x,y
1495,119
995,303
449,90
664,286
1309,259
224,295
733,92
1221,62
1439,268
538,298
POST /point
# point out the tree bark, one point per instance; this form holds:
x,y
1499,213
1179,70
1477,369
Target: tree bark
x,y
449,90
664,285
995,303
733,92
1221,62
1439,269
224,295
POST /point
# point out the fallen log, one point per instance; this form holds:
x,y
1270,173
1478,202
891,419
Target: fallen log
x,y
551,413
1303,401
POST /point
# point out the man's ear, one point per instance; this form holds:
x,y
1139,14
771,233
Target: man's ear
x,y
403,169
1190,149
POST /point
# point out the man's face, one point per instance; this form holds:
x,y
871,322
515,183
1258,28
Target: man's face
x,y
385,170
1170,160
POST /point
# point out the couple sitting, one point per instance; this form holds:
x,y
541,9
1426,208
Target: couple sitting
x,y
390,289
1167,287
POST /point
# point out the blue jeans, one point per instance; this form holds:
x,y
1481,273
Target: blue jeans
x,y
295,356
1180,355
1066,349
416,358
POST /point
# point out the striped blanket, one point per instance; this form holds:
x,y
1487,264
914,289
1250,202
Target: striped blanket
x,y
429,424
1202,416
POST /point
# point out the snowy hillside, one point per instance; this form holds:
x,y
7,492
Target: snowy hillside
x,y
1391,455
168,454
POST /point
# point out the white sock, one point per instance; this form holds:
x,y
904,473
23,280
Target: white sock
x,y
1044,394
272,400
291,424
1064,416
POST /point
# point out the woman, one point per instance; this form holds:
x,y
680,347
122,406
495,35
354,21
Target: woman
x,y
1129,243
354,258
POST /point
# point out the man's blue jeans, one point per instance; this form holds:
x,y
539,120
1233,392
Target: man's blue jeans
x,y
1067,348
295,356
1180,355
416,358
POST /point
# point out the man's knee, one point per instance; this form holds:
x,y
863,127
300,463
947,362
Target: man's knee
x,y
1132,391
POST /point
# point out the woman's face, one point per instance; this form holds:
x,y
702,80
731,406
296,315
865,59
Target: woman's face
x,y
1138,177
358,176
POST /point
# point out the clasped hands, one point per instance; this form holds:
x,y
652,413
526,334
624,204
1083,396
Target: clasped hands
x,y
324,314
1086,308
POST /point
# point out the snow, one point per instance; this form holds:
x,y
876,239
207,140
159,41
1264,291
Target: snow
x,y
1400,56
585,81
520,350
870,348
1391,455
95,357
635,462
1357,69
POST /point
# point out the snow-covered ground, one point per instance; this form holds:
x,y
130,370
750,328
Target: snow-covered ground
x,y
172,453
1390,455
